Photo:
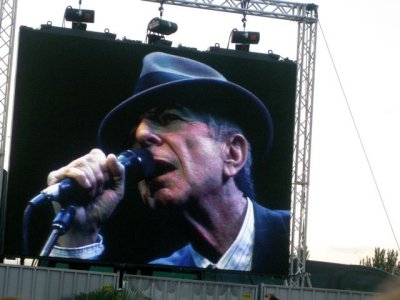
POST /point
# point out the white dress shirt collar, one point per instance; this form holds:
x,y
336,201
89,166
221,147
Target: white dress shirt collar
x,y
239,255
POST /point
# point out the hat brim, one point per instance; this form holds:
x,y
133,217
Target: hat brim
x,y
217,97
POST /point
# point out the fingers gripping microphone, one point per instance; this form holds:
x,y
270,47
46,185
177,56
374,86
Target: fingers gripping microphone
x,y
139,163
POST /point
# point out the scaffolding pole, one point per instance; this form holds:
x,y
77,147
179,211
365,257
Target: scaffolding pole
x,y
7,27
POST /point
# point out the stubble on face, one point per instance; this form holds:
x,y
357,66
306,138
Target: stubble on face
x,y
186,145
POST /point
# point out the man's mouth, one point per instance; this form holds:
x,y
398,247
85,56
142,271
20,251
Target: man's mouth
x,y
162,167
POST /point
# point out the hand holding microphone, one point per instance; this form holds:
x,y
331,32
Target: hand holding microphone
x,y
101,180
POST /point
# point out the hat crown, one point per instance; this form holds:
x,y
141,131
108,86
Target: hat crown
x,y
161,68
167,80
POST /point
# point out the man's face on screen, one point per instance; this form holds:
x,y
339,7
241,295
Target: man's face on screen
x,y
188,159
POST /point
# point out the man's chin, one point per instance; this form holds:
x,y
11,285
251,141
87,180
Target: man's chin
x,y
159,201
164,208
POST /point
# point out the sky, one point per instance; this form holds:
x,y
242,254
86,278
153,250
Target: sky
x,y
355,161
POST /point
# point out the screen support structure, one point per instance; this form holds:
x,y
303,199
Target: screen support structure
x,y
306,15
7,30
7,27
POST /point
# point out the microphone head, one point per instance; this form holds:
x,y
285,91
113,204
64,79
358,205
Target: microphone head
x,y
139,162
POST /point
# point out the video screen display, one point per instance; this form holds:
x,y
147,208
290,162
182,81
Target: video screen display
x,y
194,204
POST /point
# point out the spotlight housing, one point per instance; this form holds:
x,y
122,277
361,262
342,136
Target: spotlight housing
x,y
79,15
157,28
245,37
160,26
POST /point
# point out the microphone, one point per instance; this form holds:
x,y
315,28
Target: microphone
x,y
139,163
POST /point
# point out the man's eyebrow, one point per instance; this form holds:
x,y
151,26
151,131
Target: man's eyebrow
x,y
154,113
148,115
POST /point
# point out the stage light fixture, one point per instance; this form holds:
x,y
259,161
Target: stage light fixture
x,y
79,15
160,26
245,37
157,28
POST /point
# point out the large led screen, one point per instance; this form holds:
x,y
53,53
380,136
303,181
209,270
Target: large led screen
x,y
191,210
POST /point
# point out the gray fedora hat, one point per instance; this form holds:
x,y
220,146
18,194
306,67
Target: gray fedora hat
x,y
166,80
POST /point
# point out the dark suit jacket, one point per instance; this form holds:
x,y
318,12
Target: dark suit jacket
x,y
271,244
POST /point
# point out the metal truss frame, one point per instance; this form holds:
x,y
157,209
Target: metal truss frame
x,y
7,26
307,17
7,29
306,54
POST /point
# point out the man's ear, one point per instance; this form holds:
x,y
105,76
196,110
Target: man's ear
x,y
235,154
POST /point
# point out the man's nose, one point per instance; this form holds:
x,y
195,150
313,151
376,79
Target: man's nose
x,y
146,135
